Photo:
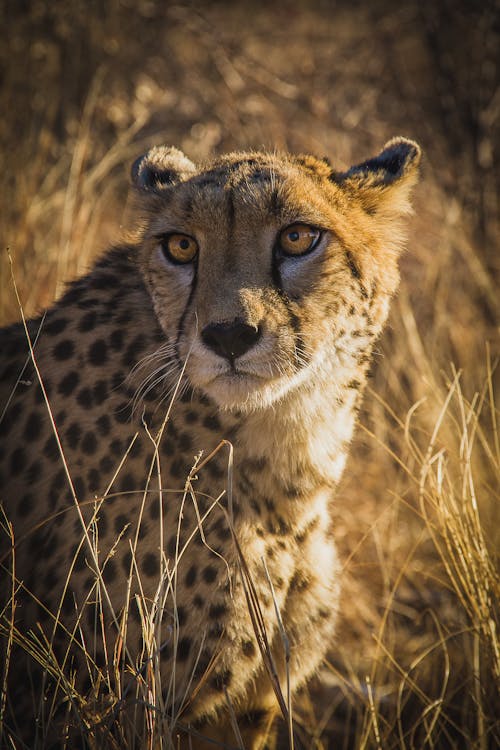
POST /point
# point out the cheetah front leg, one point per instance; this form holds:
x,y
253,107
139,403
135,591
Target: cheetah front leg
x,y
256,730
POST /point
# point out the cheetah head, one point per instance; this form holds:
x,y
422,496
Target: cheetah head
x,y
271,272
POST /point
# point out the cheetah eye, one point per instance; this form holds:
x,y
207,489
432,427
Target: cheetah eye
x,y
179,248
298,239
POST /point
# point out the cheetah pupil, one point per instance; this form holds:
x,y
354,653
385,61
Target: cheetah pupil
x,y
242,313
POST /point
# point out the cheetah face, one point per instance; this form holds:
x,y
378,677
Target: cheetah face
x,y
268,273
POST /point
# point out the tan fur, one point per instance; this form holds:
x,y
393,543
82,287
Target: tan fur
x,y
136,393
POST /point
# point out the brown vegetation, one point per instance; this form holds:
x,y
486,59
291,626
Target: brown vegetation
x,y
88,86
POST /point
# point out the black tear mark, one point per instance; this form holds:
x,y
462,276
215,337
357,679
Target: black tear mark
x,y
352,265
180,327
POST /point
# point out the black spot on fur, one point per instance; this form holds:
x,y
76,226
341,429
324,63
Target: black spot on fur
x,y
120,522
216,611
87,302
125,563
127,483
73,435
248,648
181,615
211,422
183,648
32,427
124,318
89,443
222,529
10,418
109,572
184,442
34,472
278,526
79,487
133,351
63,350
103,425
94,480
191,576
256,464
55,327
123,412
172,430
50,579
116,340
26,504
58,483
255,507
88,322
50,449
78,556
117,448
167,447
98,353
269,504
136,449
106,464
216,630
215,471
117,380
298,582
209,574
178,469
100,391
85,399
39,397
172,545
166,651
221,681
150,564
68,383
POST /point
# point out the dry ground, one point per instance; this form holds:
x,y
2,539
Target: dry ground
x,y
87,86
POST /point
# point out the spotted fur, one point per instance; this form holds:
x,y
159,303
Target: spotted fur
x,y
99,438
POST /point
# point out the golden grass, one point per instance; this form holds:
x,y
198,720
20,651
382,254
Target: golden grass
x,y
416,661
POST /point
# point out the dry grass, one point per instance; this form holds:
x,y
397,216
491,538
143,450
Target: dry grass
x,y
416,663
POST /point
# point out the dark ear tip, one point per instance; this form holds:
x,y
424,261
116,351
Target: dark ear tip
x,y
159,168
406,151
135,169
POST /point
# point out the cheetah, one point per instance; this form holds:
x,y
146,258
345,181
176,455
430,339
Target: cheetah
x,y
173,431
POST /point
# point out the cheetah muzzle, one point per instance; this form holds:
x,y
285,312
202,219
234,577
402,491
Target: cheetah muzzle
x,y
242,312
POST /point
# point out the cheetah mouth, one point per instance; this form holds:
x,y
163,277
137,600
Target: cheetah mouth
x,y
241,389
240,378
235,387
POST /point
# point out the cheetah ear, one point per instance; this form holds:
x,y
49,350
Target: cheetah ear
x,y
159,168
383,183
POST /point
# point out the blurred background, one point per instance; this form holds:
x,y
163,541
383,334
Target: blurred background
x,y
88,86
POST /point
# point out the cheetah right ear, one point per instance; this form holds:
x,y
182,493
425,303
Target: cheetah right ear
x,y
159,168
383,183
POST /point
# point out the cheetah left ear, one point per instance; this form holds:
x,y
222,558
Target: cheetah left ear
x,y
159,168
383,183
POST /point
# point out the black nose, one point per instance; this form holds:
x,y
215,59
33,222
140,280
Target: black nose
x,y
230,340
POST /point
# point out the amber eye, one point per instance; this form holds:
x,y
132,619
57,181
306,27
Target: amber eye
x,y
180,248
298,239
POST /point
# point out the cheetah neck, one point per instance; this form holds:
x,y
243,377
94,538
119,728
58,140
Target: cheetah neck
x,y
302,442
